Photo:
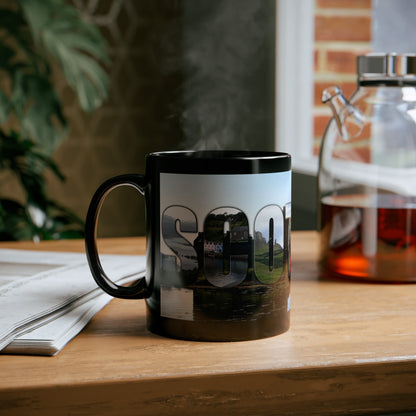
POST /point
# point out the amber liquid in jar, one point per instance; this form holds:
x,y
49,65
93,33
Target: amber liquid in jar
x,y
371,238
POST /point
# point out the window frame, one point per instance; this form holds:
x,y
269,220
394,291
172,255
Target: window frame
x,y
294,83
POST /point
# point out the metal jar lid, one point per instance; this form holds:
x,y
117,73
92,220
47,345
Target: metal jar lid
x,y
386,66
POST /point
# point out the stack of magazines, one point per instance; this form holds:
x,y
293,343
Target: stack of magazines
x,y
46,298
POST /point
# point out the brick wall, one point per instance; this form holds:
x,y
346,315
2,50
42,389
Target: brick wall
x,y
342,32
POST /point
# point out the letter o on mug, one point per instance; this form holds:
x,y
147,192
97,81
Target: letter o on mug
x,y
218,243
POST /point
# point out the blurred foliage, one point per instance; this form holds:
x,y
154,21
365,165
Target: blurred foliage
x,y
37,37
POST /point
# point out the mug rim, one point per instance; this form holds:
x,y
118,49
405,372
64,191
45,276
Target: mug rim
x,y
218,162
220,154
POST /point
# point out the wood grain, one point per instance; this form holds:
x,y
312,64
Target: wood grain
x,y
351,349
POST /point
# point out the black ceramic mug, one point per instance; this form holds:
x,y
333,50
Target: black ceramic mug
x,y
218,243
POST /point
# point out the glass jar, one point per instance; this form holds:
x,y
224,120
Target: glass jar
x,y
367,174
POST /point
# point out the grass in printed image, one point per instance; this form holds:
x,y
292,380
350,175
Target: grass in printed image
x,y
261,263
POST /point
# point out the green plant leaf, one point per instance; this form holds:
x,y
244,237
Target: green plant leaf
x,y
10,20
39,217
14,222
12,24
6,55
17,39
4,107
59,30
21,157
41,118
34,33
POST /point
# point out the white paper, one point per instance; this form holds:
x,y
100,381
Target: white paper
x,y
46,298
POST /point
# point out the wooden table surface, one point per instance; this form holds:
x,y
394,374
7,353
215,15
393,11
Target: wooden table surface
x,y
351,349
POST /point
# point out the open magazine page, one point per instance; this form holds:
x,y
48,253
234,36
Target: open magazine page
x,y
46,298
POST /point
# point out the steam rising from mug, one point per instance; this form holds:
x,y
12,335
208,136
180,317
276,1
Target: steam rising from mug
x,y
228,63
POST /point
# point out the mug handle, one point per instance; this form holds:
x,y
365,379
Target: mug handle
x,y
140,289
